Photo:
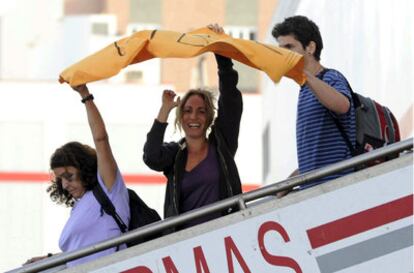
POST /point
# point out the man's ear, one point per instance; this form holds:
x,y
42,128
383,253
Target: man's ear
x,y
310,48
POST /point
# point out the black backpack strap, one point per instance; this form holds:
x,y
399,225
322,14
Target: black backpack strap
x,y
344,136
108,207
336,121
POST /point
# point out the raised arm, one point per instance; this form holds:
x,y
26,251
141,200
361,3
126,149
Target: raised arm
x,y
157,154
168,103
327,95
107,167
230,103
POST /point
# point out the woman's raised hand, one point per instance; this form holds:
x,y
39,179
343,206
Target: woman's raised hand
x,y
168,99
168,103
81,89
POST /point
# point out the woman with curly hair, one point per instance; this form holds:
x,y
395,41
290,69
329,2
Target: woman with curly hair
x,y
82,162
76,170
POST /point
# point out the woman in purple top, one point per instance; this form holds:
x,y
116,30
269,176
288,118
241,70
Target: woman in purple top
x,y
200,168
76,169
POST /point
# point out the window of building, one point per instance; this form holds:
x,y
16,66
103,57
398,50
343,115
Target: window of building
x,y
241,32
135,27
248,77
135,76
100,28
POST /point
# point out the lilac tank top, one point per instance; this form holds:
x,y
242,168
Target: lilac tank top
x,y
88,225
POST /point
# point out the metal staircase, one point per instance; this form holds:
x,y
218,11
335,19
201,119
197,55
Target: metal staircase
x,y
362,222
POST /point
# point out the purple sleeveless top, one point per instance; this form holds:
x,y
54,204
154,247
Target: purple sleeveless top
x,y
201,186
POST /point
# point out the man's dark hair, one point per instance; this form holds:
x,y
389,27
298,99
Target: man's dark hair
x,y
303,29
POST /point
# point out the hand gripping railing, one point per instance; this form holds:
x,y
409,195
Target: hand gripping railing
x,y
239,200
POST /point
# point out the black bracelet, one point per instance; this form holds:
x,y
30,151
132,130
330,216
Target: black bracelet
x,y
49,255
88,97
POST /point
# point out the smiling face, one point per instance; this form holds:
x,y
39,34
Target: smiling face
x,y
70,180
194,117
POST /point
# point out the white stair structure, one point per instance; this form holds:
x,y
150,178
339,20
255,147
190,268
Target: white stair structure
x,y
362,222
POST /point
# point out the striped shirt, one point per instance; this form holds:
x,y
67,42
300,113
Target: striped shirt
x,y
318,140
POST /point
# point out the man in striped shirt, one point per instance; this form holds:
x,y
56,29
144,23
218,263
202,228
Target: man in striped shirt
x,y
323,97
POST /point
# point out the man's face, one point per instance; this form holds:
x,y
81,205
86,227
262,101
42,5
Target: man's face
x,y
289,42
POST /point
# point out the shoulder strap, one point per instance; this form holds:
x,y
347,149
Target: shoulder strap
x,y
108,207
344,135
336,121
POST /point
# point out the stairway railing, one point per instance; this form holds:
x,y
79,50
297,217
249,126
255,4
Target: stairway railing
x,y
239,201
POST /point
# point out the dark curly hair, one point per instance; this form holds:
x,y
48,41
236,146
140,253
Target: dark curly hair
x,y
77,155
303,29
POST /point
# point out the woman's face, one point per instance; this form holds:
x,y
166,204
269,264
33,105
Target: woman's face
x,y
69,176
194,117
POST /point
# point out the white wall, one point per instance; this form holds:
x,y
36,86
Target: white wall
x,y
51,114
37,42
29,30
371,42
